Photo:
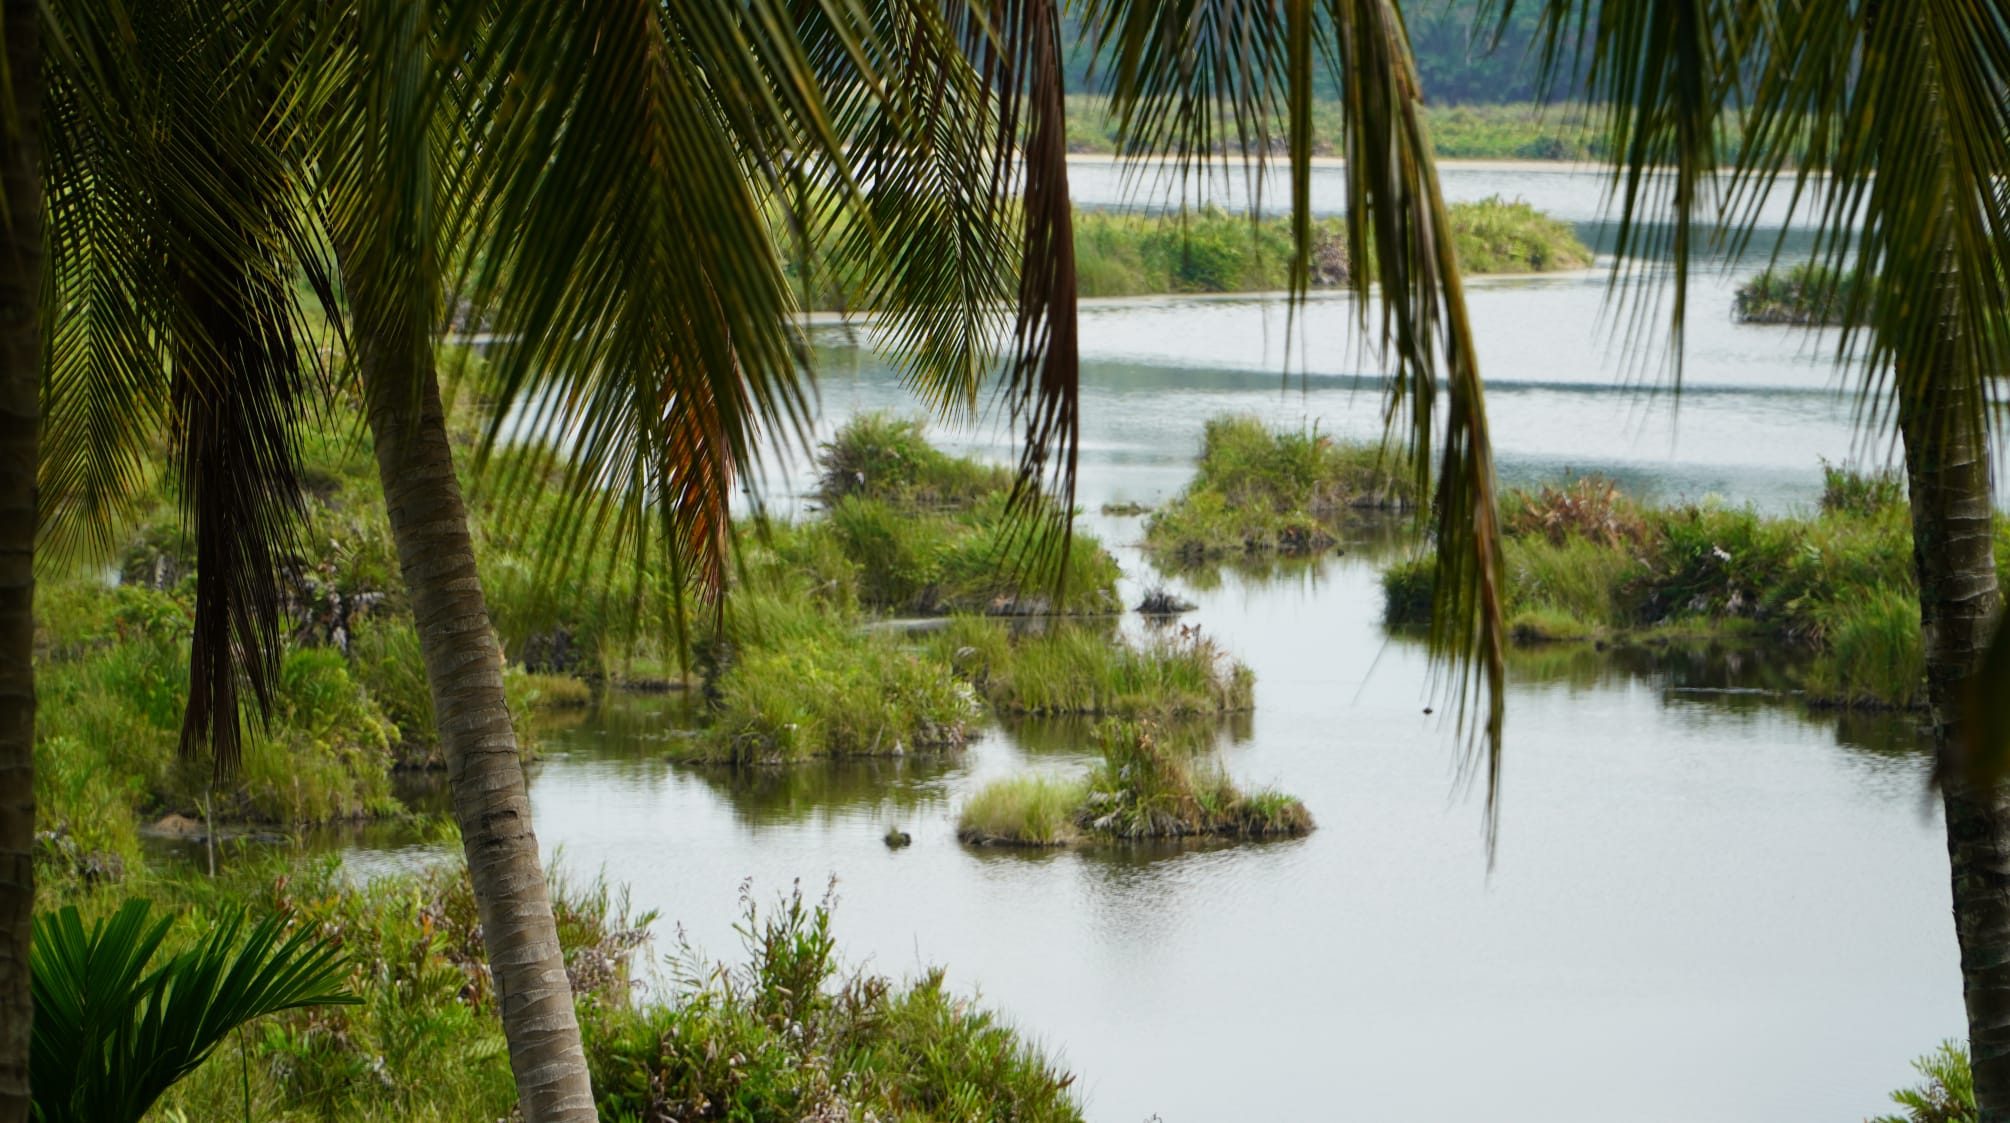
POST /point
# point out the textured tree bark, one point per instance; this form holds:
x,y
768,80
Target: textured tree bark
x,y
20,427
464,669
1942,419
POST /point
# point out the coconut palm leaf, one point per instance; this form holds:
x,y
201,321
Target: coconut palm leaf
x,y
113,1031
1193,77
177,228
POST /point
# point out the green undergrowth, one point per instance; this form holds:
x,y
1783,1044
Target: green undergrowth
x,y
1809,293
1091,671
350,701
1584,561
1261,491
786,1033
1148,785
811,659
1209,250
931,534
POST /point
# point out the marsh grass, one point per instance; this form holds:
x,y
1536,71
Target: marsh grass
x,y
1024,811
1147,786
920,532
880,456
1584,562
1092,671
1873,655
1808,293
1260,491
784,1031
865,696
1209,250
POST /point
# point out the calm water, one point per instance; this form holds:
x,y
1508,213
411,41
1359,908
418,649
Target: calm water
x,y
1709,905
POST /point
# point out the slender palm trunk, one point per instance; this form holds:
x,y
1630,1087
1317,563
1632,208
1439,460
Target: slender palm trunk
x,y
1947,465
464,669
20,425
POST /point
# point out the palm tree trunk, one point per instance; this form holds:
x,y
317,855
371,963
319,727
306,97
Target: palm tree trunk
x,y
464,670
1942,419
20,424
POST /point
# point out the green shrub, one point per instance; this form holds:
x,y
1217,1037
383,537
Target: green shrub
x,y
1945,1095
787,1035
1859,494
879,456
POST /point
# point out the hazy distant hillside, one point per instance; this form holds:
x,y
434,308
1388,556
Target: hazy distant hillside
x,y
1459,63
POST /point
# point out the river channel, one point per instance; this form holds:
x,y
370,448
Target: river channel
x,y
1708,903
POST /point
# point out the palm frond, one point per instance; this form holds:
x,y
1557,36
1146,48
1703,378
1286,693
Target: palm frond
x,y
1197,76
1659,76
113,1031
191,328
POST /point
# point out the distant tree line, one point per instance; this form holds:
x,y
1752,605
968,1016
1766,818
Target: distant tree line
x,y
1462,60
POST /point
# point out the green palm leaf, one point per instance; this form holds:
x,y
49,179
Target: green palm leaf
x,y
113,1032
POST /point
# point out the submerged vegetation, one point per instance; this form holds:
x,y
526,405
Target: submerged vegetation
x,y
1209,250
1584,561
1259,491
1148,785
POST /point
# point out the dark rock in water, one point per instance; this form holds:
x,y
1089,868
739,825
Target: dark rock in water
x,y
897,838
1163,602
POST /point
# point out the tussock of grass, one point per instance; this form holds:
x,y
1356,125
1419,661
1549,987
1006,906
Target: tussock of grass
x,y
554,692
1874,654
862,697
1257,491
1081,670
1496,235
1584,562
1024,811
1146,787
1807,293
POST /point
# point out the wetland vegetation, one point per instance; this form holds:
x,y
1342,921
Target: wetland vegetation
x,y
1149,784
1585,562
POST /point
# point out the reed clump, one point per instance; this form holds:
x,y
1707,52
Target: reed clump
x,y
1092,671
1262,491
1147,786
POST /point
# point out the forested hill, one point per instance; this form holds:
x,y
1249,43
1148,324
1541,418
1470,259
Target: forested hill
x,y
1460,62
